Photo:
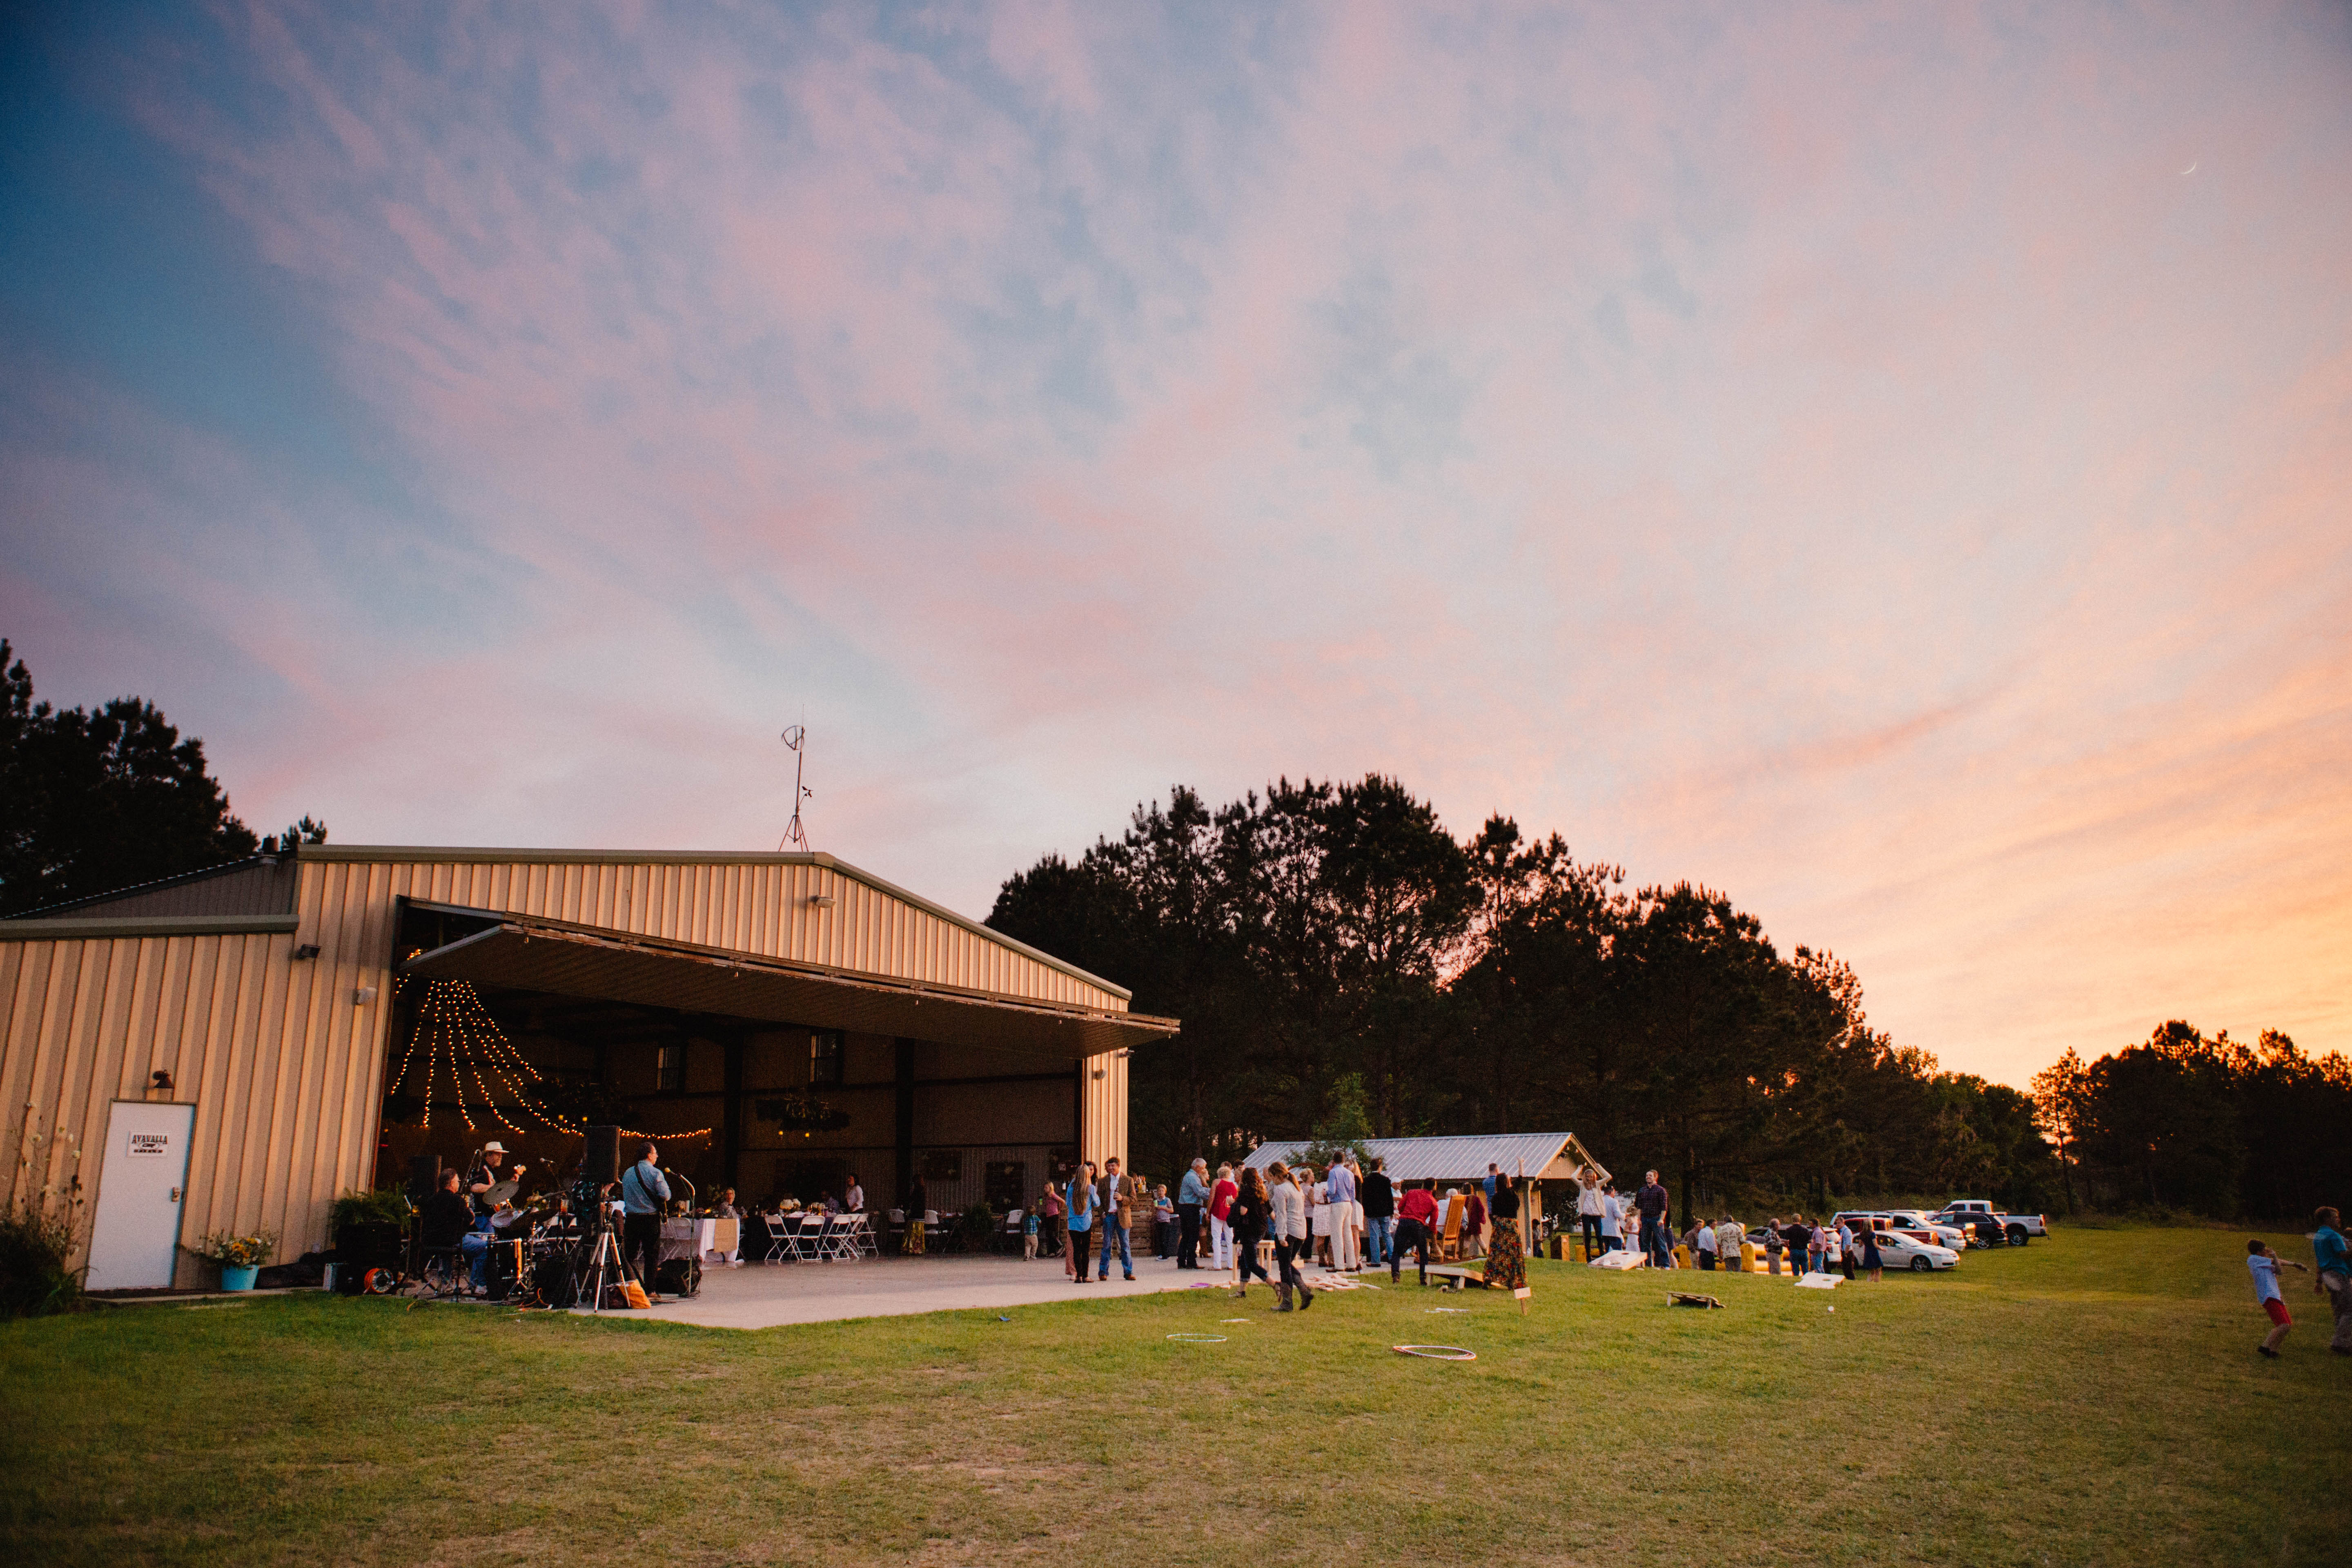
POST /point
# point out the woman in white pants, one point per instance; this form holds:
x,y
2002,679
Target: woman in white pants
x,y
1221,1218
1347,1217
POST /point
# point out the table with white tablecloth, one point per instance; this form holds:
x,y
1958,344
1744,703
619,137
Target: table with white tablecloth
x,y
704,1238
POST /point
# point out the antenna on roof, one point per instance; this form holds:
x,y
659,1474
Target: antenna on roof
x,y
795,835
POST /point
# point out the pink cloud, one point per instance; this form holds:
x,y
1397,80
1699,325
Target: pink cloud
x,y
1834,459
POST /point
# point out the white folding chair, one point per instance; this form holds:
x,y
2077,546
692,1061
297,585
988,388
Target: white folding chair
x,y
809,1238
842,1244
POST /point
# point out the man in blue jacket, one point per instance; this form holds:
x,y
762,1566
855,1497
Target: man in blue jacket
x,y
645,1197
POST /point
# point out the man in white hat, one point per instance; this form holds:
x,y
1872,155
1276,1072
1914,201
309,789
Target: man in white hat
x,y
487,1173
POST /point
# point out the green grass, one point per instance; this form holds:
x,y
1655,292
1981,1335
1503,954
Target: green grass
x,y
2092,1399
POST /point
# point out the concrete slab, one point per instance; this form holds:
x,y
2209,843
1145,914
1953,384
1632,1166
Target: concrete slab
x,y
764,1296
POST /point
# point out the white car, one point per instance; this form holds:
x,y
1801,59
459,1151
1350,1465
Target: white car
x,y
1897,1251
1945,1233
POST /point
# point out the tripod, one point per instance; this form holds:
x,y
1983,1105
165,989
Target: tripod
x,y
603,1261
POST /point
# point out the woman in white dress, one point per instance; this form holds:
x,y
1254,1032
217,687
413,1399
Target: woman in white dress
x,y
1321,1239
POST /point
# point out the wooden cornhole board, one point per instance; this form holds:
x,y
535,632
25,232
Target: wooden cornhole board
x,y
1452,1279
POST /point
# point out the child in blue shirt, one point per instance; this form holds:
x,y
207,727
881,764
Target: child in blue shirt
x,y
1029,1236
2263,1264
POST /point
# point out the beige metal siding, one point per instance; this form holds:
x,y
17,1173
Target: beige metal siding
x,y
1102,1109
283,1069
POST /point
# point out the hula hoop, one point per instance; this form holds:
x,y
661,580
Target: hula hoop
x,y
1198,1338
1437,1353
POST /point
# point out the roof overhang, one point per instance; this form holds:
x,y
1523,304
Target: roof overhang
x,y
562,959
390,855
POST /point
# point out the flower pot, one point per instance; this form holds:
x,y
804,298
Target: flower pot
x,y
236,1278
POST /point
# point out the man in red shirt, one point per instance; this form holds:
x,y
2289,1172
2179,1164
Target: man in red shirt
x,y
1416,1219
1221,1219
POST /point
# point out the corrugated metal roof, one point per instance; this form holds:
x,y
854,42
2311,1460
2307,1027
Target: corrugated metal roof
x,y
129,927
1459,1159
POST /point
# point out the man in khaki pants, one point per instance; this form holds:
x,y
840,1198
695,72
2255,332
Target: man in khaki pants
x,y
1340,1184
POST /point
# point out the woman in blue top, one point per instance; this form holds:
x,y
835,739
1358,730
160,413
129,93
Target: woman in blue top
x,y
1081,1199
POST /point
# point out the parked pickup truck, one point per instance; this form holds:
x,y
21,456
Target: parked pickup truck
x,y
1974,1211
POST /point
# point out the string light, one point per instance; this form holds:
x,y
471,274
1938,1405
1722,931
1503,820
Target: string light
x,y
452,1021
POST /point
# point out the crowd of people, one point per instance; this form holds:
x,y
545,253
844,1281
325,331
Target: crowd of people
x,y
1346,1215
1809,1248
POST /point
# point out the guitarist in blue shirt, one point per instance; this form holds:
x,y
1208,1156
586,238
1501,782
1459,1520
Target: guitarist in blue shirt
x,y
645,1197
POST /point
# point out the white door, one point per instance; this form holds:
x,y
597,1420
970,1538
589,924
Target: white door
x,y
134,1239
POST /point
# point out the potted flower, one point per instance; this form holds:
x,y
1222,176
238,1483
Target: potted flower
x,y
240,1257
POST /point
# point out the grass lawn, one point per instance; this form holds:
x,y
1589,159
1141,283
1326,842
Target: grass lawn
x,y
2094,1398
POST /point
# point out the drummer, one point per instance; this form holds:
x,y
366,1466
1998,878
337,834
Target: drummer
x,y
487,1172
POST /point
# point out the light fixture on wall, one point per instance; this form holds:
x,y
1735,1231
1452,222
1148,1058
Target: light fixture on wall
x,y
160,1082
308,949
821,900
362,996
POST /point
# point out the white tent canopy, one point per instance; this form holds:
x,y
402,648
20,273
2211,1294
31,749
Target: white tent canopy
x,y
1554,1156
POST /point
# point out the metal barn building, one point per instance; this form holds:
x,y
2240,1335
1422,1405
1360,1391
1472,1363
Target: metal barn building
x,y
215,1052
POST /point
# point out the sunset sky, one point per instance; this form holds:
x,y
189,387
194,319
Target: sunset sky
x,y
1892,463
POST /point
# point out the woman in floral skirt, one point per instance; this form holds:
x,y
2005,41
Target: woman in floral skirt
x,y
1507,1260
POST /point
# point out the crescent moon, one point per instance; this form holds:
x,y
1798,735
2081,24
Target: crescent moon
x,y
2191,170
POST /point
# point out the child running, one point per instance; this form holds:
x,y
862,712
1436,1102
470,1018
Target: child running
x,y
2265,1265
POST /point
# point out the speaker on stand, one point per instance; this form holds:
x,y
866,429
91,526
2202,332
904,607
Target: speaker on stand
x,y
597,1268
601,1160
424,1177
424,1181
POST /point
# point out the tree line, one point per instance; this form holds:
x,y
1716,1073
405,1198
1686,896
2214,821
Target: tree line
x,y
1344,966
95,800
2216,1126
